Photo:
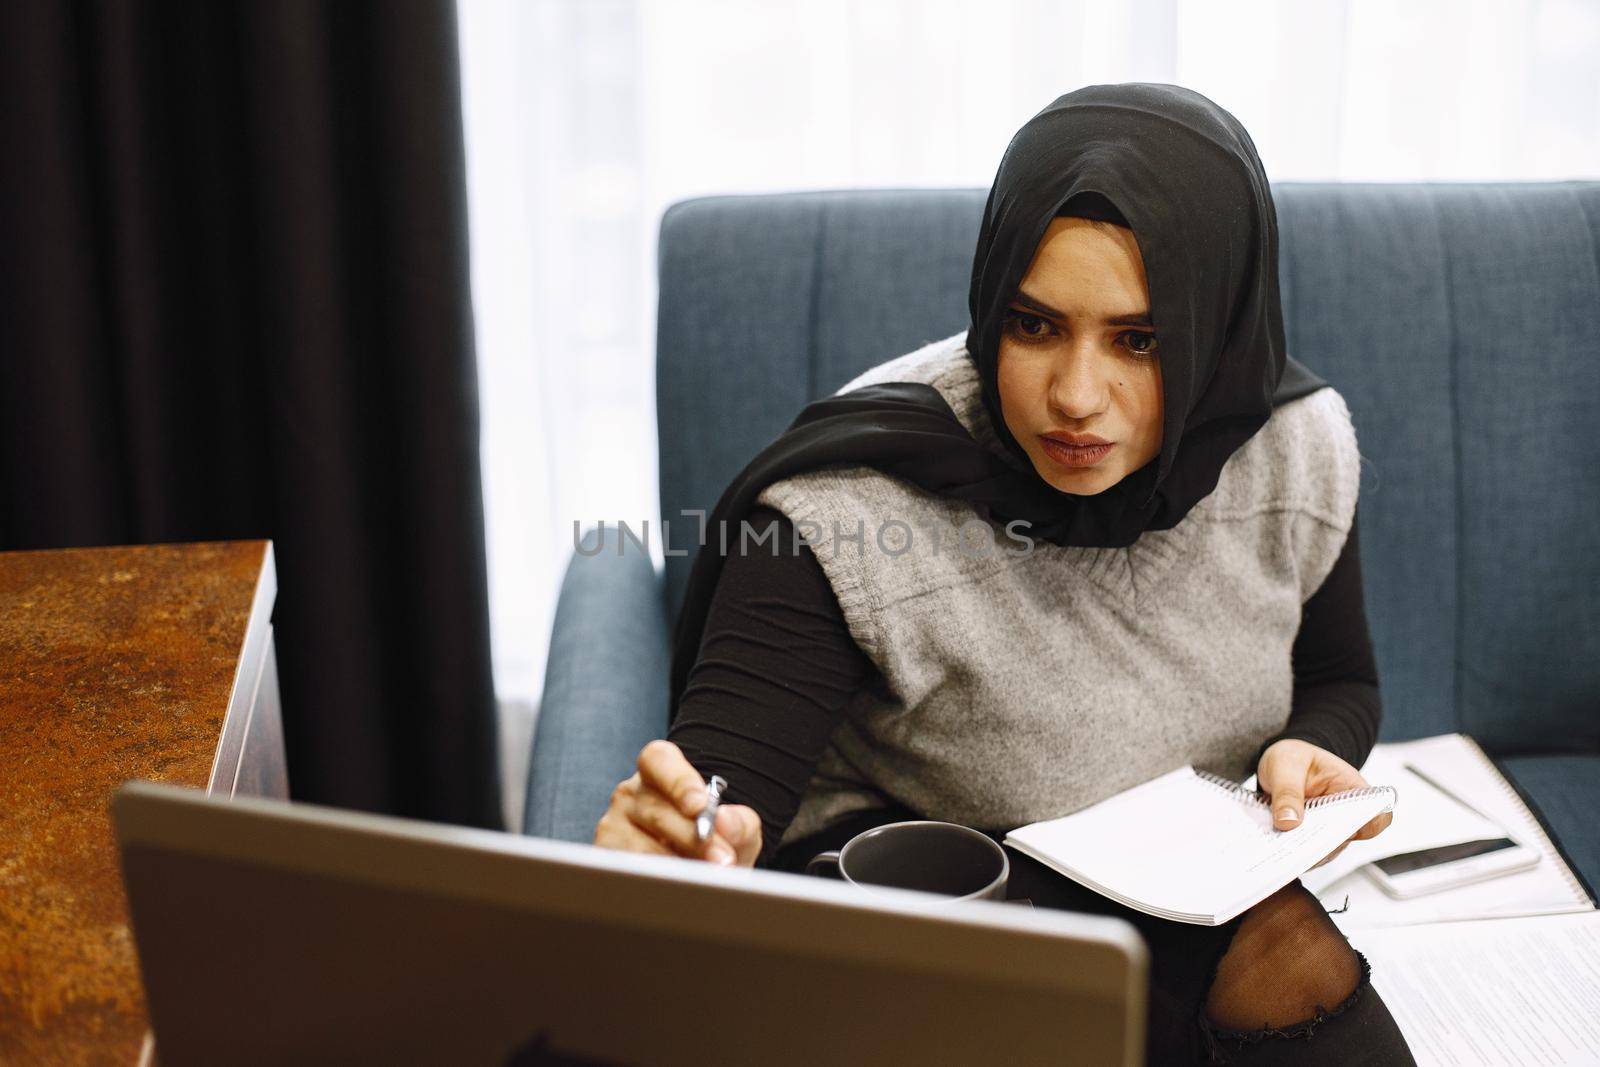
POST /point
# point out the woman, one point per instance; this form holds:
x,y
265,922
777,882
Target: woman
x,y
1165,571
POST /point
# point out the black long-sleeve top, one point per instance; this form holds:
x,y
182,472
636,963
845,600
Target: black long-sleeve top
x,y
777,665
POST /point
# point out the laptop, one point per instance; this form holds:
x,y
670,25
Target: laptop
x,y
276,932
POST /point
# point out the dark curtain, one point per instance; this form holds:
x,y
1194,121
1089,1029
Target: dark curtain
x,y
235,305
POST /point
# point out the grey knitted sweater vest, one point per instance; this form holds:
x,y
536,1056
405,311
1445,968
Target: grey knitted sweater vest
x,y
1021,680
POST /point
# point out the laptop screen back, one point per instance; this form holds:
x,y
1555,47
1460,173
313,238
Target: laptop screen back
x,y
271,932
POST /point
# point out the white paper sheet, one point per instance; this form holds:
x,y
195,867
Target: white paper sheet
x,y
1494,992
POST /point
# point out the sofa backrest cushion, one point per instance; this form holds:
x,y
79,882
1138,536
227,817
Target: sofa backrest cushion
x,y
1461,322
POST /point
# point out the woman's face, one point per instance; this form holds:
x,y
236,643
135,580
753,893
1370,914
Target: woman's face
x,y
1079,374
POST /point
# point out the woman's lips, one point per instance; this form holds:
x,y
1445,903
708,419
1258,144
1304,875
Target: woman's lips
x,y
1075,455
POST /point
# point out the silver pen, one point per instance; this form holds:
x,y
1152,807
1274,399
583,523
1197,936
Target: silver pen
x,y
706,821
1414,769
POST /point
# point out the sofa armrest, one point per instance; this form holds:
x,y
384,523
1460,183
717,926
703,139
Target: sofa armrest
x,y
605,689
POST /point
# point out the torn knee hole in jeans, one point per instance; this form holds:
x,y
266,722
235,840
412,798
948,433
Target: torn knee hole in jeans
x,y
1216,1037
1284,961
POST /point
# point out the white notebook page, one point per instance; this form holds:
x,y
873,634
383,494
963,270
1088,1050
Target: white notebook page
x,y
1180,845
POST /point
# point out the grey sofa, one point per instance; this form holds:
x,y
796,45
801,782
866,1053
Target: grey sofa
x,y
1461,322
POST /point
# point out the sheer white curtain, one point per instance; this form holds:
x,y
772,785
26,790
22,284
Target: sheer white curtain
x,y
585,118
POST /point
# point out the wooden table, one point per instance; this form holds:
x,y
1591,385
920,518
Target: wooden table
x,y
115,663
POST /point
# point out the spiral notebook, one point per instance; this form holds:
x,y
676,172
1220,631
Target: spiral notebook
x,y
1192,846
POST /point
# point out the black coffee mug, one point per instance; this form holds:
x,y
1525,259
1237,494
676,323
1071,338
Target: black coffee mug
x,y
933,857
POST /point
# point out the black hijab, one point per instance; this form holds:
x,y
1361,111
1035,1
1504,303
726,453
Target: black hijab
x,y
1184,176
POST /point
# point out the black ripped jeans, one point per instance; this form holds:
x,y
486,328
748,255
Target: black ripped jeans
x,y
1183,963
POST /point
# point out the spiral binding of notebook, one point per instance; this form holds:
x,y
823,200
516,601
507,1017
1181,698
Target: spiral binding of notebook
x,y
1248,796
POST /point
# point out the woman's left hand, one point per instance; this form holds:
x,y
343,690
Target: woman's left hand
x,y
1291,772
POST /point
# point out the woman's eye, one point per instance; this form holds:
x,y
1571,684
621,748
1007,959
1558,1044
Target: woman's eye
x,y
1027,325
1140,344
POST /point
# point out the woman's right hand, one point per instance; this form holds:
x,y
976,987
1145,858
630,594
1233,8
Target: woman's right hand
x,y
654,810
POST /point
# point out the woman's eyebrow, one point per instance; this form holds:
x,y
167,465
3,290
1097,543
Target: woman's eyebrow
x,y
1138,318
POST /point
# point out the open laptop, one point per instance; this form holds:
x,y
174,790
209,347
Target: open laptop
x,y
278,933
